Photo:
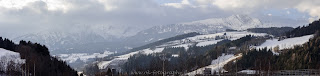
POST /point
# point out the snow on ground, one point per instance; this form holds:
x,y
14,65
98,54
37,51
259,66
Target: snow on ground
x,y
149,51
186,46
209,39
284,44
222,58
82,56
104,64
233,35
216,64
248,71
199,40
208,42
6,56
175,55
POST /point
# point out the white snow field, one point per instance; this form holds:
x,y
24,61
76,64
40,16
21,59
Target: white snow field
x,y
205,43
104,64
70,58
7,56
284,44
216,64
209,39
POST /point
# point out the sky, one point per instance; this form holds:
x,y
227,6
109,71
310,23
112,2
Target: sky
x,y
29,16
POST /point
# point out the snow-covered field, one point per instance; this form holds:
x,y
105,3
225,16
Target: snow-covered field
x,y
6,56
284,44
205,43
70,58
216,64
209,39
104,64
231,35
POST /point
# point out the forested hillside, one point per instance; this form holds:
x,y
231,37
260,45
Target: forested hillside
x,y
38,61
304,30
306,56
178,59
275,31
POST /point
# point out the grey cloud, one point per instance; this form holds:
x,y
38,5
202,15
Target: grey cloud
x,y
137,14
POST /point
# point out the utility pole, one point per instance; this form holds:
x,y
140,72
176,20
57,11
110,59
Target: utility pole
x,y
260,69
269,69
28,71
25,65
34,69
236,68
218,65
163,59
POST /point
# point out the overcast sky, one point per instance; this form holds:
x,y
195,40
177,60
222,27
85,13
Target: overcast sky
x,y
35,15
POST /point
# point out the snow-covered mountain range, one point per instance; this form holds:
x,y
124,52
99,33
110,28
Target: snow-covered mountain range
x,y
100,38
207,26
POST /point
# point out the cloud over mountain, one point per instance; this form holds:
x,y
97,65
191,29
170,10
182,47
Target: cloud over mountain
x,y
30,16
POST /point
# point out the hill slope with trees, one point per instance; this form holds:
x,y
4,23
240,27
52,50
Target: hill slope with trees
x,y
37,59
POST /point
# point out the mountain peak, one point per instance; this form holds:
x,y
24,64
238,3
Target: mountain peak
x,y
243,18
238,22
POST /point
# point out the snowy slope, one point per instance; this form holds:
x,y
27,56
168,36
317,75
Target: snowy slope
x,y
199,40
284,44
59,40
104,64
237,22
209,39
84,57
6,56
216,64
206,26
224,59
205,43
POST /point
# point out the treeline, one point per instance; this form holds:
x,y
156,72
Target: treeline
x,y
38,61
256,59
304,30
275,31
7,44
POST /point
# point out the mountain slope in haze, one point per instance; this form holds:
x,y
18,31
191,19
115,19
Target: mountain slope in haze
x,y
207,26
68,39
62,40
115,38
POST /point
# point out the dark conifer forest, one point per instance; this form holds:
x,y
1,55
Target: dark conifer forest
x,y
38,61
